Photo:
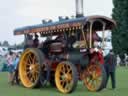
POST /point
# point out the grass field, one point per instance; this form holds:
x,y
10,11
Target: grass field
x,y
121,90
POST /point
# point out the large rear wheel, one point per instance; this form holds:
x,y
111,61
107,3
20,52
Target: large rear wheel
x,y
30,67
66,77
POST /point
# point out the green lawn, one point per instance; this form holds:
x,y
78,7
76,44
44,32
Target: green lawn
x,y
121,90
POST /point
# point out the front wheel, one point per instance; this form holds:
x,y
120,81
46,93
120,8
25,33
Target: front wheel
x,y
94,77
66,77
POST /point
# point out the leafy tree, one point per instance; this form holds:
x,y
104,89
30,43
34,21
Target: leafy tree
x,y
120,33
18,46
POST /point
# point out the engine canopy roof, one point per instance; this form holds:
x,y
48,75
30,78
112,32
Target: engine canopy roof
x,y
66,25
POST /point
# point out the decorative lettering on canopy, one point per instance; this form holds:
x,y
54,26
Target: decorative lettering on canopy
x,y
54,28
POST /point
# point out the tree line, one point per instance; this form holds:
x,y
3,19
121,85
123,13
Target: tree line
x,y
120,33
7,44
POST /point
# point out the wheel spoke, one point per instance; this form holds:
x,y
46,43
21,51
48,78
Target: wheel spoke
x,y
63,69
28,72
29,75
63,82
31,56
68,85
88,79
34,60
34,76
37,66
93,85
69,71
30,59
25,63
90,82
37,71
31,79
98,80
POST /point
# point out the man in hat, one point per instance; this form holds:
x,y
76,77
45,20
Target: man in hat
x,y
36,41
110,67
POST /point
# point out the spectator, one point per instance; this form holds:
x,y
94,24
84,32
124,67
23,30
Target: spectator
x,y
15,72
16,60
126,59
118,60
36,41
71,40
28,41
41,44
46,45
9,59
110,67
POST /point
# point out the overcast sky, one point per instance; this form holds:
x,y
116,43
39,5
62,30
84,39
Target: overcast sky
x,y
18,13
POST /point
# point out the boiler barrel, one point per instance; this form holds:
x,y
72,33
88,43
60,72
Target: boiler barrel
x,y
78,58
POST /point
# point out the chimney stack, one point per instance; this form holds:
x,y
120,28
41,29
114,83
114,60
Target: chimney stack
x,y
79,8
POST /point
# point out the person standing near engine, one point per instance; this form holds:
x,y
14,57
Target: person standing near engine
x,y
110,67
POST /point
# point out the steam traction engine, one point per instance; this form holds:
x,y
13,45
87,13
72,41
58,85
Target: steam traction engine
x,y
70,56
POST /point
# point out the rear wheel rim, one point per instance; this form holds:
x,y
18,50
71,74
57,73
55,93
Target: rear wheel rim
x,y
29,69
